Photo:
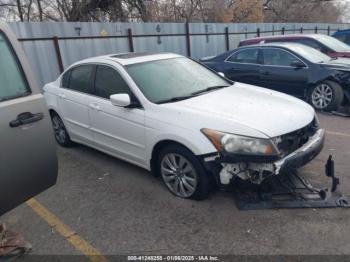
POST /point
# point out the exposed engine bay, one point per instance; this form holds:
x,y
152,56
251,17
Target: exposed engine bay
x,y
289,145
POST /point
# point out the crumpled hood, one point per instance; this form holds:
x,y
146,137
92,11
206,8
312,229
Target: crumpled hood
x,y
266,111
339,64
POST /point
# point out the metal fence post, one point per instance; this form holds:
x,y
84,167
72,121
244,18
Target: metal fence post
x,y
227,38
316,29
58,54
258,32
188,39
283,29
131,41
329,30
301,30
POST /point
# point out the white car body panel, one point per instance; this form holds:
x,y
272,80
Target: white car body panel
x,y
131,134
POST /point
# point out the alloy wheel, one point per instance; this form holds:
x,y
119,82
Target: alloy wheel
x,y
59,129
179,175
322,96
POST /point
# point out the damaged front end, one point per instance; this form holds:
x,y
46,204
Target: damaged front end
x,y
274,183
286,152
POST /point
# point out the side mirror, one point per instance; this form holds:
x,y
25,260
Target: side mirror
x,y
297,64
222,74
121,100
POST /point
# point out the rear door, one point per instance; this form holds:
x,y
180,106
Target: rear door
x,y
74,98
277,73
28,163
242,66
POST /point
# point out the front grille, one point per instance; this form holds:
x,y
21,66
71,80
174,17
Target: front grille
x,y
290,142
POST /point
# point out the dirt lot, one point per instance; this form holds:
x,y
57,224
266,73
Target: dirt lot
x,y
118,208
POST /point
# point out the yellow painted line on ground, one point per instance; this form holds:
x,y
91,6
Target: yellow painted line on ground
x,y
70,235
337,134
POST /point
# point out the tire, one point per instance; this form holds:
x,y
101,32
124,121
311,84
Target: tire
x,y
186,177
326,96
60,131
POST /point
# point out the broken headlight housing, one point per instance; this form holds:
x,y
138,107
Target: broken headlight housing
x,y
240,145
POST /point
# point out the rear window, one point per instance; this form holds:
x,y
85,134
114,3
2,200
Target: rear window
x,y
12,79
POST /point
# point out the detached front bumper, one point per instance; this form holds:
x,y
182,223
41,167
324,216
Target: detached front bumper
x,y
257,170
302,155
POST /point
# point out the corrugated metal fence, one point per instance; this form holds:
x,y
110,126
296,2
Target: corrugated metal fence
x,y
52,46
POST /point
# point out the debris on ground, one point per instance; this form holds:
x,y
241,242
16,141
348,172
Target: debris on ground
x,y
12,244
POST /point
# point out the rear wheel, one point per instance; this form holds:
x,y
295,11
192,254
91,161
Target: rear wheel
x,y
182,173
326,96
61,134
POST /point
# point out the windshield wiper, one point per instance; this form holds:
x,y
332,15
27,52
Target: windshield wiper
x,y
179,98
211,88
333,58
175,99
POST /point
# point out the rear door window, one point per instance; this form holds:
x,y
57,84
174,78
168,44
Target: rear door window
x,y
278,57
81,79
248,56
13,82
65,79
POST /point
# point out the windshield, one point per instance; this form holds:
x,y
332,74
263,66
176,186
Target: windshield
x,y
309,53
333,43
168,79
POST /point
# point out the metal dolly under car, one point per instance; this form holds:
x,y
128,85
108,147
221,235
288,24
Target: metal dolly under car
x,y
342,111
289,190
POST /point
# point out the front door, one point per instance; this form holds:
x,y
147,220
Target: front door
x,y
277,73
117,130
28,162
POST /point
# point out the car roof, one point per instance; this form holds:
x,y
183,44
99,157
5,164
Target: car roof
x,y
294,36
275,44
342,32
129,58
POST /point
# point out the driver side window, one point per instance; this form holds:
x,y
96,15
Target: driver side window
x,y
278,57
109,82
13,82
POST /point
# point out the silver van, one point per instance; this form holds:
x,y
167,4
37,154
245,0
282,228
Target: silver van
x,y
28,162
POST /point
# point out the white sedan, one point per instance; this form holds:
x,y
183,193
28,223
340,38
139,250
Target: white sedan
x,y
182,121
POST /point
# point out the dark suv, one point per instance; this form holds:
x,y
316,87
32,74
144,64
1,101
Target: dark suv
x,y
324,43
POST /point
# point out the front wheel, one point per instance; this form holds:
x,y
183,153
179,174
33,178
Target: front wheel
x,y
182,173
326,96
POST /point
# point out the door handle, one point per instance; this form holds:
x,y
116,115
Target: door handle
x,y
26,118
265,73
61,95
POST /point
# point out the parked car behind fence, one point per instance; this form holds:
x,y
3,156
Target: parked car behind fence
x,y
343,35
324,43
